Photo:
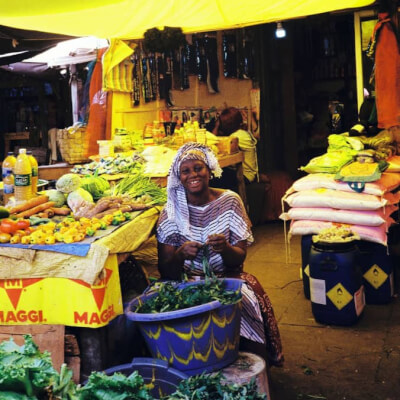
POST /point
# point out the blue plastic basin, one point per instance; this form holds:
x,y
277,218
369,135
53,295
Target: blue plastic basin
x,y
195,339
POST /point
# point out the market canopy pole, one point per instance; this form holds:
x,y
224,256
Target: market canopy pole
x,y
129,19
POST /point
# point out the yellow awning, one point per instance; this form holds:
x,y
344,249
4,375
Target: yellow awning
x,y
129,19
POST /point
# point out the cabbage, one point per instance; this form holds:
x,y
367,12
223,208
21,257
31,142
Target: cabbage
x,y
68,183
79,198
95,185
56,196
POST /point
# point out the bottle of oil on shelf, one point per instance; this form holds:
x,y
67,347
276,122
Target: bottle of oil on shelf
x,y
35,172
22,177
8,176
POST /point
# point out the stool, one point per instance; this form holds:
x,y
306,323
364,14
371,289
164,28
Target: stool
x,y
246,367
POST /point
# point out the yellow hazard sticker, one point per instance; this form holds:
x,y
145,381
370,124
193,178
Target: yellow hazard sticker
x,y
307,270
339,296
376,276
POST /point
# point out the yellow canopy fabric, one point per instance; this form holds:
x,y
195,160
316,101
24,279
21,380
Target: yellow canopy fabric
x,y
129,19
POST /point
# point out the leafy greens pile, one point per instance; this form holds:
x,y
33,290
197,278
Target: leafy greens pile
x,y
141,185
199,387
117,386
211,387
28,374
171,298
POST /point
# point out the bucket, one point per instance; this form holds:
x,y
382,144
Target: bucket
x,y
161,379
195,339
306,242
336,283
377,269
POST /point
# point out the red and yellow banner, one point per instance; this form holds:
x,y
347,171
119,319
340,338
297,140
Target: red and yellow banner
x,y
60,301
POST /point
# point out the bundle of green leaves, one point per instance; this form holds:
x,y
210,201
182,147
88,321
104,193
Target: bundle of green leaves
x,y
171,297
212,387
115,387
28,374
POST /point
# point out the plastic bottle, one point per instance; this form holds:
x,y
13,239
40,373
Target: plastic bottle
x,y
8,176
35,172
22,177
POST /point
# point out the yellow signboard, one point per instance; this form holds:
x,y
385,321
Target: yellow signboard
x,y
339,296
376,276
61,301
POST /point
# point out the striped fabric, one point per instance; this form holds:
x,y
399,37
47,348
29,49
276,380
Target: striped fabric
x,y
226,215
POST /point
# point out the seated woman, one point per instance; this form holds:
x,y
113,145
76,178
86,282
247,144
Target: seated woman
x,y
196,215
230,123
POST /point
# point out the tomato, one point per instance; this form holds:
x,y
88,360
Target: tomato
x,y
5,237
23,224
8,226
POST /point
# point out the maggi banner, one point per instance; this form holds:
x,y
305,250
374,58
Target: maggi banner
x,y
60,301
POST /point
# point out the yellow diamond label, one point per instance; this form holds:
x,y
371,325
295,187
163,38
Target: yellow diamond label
x,y
376,276
339,296
307,270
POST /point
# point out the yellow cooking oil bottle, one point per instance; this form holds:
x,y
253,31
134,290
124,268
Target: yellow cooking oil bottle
x,y
35,171
22,177
8,176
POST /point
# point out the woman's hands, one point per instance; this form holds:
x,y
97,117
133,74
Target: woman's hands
x,y
217,242
189,250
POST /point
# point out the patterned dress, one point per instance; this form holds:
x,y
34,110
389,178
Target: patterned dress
x,y
226,214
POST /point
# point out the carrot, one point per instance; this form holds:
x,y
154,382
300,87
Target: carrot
x,y
61,210
36,210
29,204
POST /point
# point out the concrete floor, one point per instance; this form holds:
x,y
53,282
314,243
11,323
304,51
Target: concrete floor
x,y
360,362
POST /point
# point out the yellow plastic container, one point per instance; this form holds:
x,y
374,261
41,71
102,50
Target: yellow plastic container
x,y
22,177
106,148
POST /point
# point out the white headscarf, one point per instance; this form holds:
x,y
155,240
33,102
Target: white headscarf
x,y
177,206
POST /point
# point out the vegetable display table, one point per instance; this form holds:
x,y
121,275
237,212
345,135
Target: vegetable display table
x,y
49,287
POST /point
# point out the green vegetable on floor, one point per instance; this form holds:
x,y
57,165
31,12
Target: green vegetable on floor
x,y
26,373
212,387
117,386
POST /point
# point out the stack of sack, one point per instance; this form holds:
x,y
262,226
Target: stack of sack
x,y
319,200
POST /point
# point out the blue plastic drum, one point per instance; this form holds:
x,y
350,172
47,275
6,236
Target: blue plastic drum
x,y
377,268
336,283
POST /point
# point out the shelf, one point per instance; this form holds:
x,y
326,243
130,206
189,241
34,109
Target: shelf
x,y
133,110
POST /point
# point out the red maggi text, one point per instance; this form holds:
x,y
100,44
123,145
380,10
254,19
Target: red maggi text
x,y
21,316
88,318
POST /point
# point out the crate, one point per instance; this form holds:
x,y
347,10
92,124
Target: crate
x,y
48,338
72,145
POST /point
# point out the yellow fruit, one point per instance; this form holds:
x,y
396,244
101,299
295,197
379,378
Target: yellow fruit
x,y
5,237
26,239
68,239
15,239
78,237
59,236
50,240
